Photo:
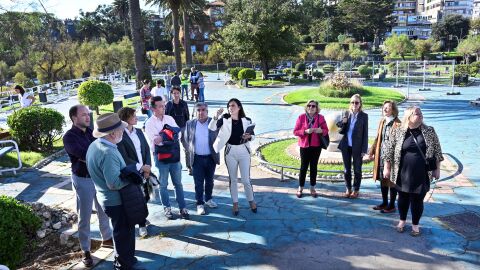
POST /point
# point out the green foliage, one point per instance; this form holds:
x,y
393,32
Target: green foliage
x,y
247,73
452,28
340,86
295,74
300,67
36,128
287,71
318,74
327,69
469,46
334,51
346,66
398,45
21,79
365,71
185,71
234,72
355,52
424,47
95,93
18,227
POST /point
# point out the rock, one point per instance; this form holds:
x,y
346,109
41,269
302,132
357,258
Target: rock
x,y
46,214
41,233
64,239
70,244
46,224
57,226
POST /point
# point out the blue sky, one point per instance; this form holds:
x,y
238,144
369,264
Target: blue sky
x,y
61,8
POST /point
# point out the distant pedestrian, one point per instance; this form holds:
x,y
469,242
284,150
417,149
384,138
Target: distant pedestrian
x,y
201,88
135,150
160,90
232,130
76,142
155,131
178,108
198,141
388,123
185,80
145,95
310,126
168,85
176,81
412,160
354,144
25,99
194,75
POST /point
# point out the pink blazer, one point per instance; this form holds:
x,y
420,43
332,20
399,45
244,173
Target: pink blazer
x,y
302,124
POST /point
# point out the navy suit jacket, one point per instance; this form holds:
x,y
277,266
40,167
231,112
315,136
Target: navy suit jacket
x,y
359,134
127,149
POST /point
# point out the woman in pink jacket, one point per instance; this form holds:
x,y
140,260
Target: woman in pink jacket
x,y
309,127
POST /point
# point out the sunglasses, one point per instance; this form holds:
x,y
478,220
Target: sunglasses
x,y
311,106
354,102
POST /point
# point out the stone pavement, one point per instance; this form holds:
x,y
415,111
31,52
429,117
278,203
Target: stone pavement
x,y
289,233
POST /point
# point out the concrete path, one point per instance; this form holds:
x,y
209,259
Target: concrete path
x,y
289,233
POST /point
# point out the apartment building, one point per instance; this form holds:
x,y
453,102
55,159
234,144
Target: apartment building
x,y
476,9
408,21
436,10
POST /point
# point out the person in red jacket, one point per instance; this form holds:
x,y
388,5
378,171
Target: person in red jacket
x,y
308,128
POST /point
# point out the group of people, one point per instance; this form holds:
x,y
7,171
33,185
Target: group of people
x,y
406,155
102,157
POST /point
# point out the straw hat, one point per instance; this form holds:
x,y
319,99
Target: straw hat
x,y
108,123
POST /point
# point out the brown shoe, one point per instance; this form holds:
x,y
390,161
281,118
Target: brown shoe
x,y
347,194
108,243
87,259
379,207
354,195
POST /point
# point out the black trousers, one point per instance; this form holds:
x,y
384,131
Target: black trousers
x,y
414,202
309,156
357,169
123,237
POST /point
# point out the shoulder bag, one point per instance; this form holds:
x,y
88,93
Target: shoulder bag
x,y
430,163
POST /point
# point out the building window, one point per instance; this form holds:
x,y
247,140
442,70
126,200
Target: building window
x,y
218,23
205,48
205,35
193,48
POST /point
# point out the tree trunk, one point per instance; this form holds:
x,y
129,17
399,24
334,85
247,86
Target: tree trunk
x,y
264,68
186,38
138,40
125,27
176,40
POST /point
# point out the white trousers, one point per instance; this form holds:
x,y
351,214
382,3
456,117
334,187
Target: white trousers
x,y
238,156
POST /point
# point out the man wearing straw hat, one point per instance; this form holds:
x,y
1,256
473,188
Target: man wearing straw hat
x,y
104,163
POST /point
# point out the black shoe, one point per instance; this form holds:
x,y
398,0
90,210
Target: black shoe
x,y
380,207
254,210
87,260
184,213
235,213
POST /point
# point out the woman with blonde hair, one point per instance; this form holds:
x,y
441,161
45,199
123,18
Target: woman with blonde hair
x,y
354,144
412,158
309,129
388,123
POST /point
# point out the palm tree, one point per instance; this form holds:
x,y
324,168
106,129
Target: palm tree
x,y
120,8
192,13
138,40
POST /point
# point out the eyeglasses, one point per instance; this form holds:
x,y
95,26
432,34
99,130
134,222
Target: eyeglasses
x,y
354,102
311,106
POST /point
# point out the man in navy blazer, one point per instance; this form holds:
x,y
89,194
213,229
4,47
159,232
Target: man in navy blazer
x,y
354,144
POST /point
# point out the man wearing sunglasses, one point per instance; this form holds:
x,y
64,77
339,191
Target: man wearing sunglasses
x,y
198,141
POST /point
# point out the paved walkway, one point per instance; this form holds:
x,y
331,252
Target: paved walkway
x,y
289,233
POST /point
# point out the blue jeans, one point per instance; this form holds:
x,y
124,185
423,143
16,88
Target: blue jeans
x,y
185,90
203,170
201,97
149,114
175,171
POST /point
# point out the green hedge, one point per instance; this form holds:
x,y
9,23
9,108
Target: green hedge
x,y
36,128
365,71
300,67
328,69
95,93
247,73
234,72
18,226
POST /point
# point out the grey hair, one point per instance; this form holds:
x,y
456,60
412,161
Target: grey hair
x,y
201,104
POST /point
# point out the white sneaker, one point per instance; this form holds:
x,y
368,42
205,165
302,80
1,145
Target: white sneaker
x,y
200,209
210,203
168,212
142,231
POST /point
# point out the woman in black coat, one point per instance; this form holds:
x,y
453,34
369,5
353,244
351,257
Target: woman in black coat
x,y
354,144
135,150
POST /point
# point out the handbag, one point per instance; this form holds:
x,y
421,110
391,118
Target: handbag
x,y
430,163
325,141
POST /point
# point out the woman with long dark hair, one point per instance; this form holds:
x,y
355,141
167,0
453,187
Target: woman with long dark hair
x,y
26,99
234,134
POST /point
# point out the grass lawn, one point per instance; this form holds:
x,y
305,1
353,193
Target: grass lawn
x,y
133,102
275,153
29,158
371,96
260,82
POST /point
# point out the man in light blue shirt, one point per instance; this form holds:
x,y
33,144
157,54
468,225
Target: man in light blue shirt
x,y
198,140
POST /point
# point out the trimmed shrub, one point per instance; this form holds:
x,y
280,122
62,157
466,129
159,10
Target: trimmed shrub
x,y
185,71
36,128
340,86
247,73
18,227
365,71
300,67
295,74
287,71
234,72
95,93
318,74
346,66
327,69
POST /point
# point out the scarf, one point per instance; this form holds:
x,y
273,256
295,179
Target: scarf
x,y
311,120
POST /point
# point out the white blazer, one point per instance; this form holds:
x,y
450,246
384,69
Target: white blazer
x,y
226,131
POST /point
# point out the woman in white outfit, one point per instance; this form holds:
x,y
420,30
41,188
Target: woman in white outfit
x,y
231,135
26,99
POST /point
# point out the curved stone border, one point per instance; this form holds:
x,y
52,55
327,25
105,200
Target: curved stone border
x,y
326,178
42,163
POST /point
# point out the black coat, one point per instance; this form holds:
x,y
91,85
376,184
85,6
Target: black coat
x,y
127,149
359,134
